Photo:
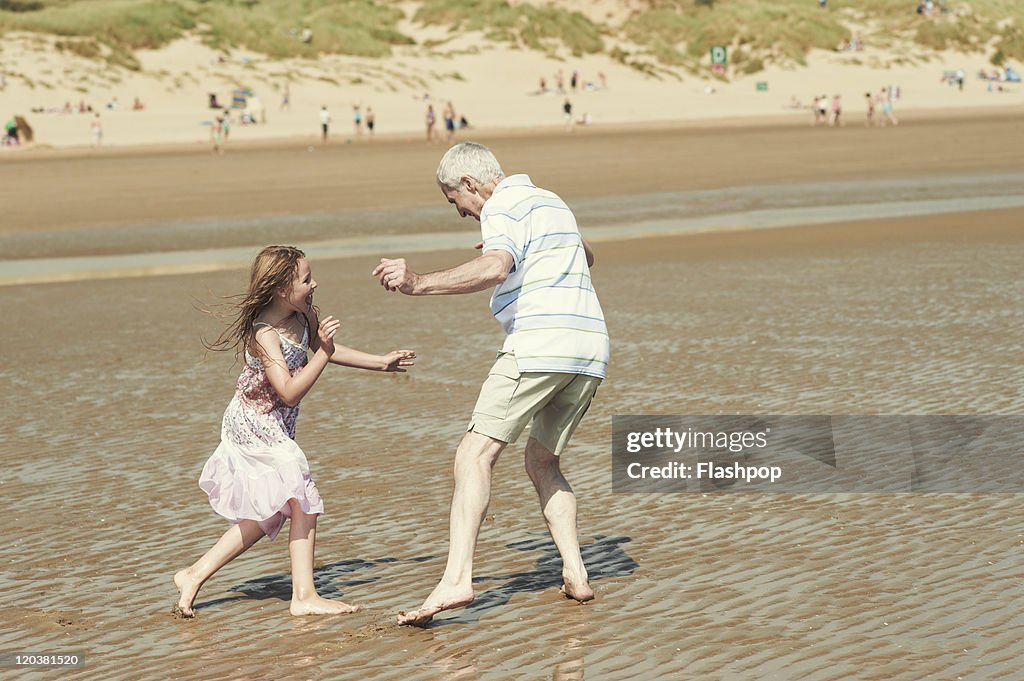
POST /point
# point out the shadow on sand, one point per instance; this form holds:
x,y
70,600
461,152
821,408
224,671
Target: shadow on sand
x,y
604,557
330,580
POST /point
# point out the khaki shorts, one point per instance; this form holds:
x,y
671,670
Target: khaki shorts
x,y
509,401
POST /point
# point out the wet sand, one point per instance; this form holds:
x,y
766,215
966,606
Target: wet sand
x,y
60,191
116,409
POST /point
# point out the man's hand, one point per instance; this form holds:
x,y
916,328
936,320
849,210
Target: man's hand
x,y
396,359
395,276
489,270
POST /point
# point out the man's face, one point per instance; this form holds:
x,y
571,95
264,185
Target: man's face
x,y
465,199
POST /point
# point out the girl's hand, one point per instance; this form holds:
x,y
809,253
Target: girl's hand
x,y
325,333
396,359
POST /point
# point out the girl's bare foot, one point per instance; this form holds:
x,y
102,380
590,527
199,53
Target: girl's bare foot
x,y
188,587
315,605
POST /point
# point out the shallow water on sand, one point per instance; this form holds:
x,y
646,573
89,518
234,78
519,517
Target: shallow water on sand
x,y
115,410
203,246
784,204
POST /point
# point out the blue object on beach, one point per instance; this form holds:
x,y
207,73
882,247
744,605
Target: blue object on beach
x,y
239,97
1012,76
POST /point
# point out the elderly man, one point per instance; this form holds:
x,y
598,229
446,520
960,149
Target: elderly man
x,y
553,359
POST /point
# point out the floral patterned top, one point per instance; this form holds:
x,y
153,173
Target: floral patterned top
x,y
256,415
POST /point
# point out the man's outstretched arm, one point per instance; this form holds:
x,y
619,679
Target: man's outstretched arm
x,y
587,250
487,271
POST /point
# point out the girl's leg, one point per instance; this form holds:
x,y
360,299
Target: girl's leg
x,y
301,543
232,544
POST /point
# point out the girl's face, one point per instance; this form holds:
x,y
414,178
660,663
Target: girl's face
x,y
300,295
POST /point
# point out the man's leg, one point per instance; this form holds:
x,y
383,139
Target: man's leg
x,y
474,461
558,503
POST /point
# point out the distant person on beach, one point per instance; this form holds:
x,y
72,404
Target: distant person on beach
x,y
837,111
887,116
286,98
567,110
357,122
258,476
97,130
325,121
217,134
226,124
11,132
371,121
137,105
869,101
431,119
574,80
554,357
449,121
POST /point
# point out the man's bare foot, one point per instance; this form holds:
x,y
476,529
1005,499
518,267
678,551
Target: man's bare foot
x,y
315,605
444,597
188,587
577,589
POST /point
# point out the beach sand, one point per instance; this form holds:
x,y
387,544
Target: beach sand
x,y
115,409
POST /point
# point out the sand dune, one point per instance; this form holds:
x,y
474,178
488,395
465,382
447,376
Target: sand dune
x,y
496,86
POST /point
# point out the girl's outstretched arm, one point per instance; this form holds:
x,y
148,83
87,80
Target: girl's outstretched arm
x,y
350,357
393,361
292,388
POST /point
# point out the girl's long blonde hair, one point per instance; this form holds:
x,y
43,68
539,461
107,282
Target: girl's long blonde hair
x,y
273,270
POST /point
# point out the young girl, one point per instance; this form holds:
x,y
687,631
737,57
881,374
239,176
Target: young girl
x,y
258,476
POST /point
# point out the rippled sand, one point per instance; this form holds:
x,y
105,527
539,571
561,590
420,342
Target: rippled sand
x,y
112,410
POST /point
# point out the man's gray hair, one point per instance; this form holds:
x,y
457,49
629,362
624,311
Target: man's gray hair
x,y
467,158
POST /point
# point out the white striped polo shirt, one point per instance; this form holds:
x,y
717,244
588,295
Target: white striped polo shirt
x,y
547,305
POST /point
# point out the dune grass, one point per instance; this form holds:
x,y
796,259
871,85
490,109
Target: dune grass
x,y
965,25
682,32
675,34
271,27
129,24
544,28
357,27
